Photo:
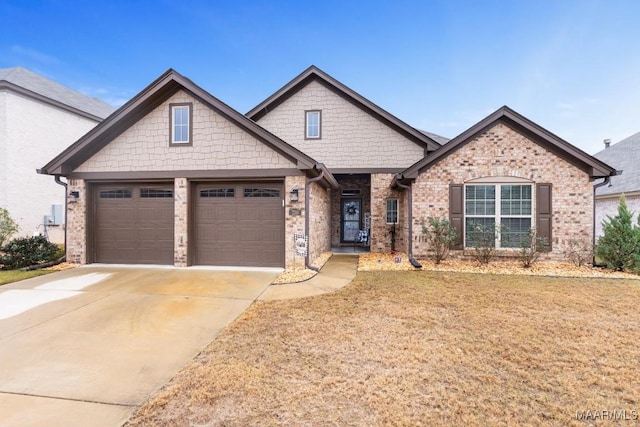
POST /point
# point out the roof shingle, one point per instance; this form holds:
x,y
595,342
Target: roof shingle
x,y
625,156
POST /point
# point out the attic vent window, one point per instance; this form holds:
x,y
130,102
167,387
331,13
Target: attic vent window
x,y
181,117
312,124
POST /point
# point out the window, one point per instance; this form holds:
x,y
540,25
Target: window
x,y
156,193
180,124
498,211
261,192
116,194
218,192
392,211
312,126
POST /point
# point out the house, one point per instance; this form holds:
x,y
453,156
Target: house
x,y
38,119
175,176
624,156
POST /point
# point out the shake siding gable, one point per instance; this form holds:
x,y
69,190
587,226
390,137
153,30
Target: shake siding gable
x,y
503,152
217,144
351,137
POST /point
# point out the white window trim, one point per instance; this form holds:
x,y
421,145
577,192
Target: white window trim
x,y
307,115
497,215
397,203
175,107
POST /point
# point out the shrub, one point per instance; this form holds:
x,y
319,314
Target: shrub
x,y
579,251
619,246
26,251
482,238
440,235
531,247
7,226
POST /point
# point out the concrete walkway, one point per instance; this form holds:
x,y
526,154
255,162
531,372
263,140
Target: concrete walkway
x,y
338,272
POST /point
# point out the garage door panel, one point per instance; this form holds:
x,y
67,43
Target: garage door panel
x,y
134,223
239,230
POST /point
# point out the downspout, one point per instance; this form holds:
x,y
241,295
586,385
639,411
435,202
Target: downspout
x,y
412,260
307,191
64,184
596,186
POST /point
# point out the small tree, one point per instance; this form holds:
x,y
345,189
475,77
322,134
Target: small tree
x,y
531,247
619,245
440,235
8,226
482,238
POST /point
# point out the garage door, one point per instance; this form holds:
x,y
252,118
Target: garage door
x,y
239,224
134,224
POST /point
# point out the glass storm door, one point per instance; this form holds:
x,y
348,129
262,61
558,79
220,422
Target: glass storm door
x,y
350,218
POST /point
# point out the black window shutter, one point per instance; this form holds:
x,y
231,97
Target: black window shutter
x,y
543,213
456,213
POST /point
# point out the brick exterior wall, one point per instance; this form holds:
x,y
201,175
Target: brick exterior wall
x,y
608,206
319,220
381,231
77,222
502,152
351,138
294,222
181,224
217,144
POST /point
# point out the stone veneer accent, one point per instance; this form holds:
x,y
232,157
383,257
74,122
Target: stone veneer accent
x,y
351,138
293,224
319,220
77,222
181,224
381,231
503,152
217,144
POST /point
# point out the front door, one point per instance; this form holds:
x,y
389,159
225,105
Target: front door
x,y
350,216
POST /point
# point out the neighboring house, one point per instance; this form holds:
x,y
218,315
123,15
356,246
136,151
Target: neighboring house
x,y
176,176
38,119
625,157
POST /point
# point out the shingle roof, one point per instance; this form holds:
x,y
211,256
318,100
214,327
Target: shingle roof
x,y
437,138
50,90
625,156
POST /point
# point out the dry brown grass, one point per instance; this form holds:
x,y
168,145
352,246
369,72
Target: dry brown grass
x,y
419,348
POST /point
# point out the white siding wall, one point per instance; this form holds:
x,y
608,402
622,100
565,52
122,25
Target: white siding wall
x,y
609,206
34,133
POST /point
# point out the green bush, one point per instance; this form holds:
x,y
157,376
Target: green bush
x,y
26,251
619,246
482,238
7,226
440,235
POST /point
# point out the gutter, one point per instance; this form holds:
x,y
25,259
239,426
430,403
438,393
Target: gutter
x,y
397,182
64,184
307,191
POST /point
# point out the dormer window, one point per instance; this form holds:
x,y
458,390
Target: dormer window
x,y
312,124
181,124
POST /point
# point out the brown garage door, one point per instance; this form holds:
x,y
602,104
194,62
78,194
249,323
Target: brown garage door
x,y
239,224
133,224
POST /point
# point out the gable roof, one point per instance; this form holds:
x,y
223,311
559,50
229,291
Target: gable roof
x,y
624,156
152,96
594,167
314,73
35,86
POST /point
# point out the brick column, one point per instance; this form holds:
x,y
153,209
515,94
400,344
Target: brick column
x,y
181,215
76,222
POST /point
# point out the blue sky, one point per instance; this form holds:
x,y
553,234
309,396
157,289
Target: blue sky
x,y
573,67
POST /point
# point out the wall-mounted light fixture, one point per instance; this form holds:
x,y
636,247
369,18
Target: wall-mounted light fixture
x,y
294,194
74,196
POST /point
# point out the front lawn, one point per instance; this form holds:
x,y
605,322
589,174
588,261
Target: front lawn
x,y
10,276
421,348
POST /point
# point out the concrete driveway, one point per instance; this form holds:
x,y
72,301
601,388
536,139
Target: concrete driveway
x,y
89,345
